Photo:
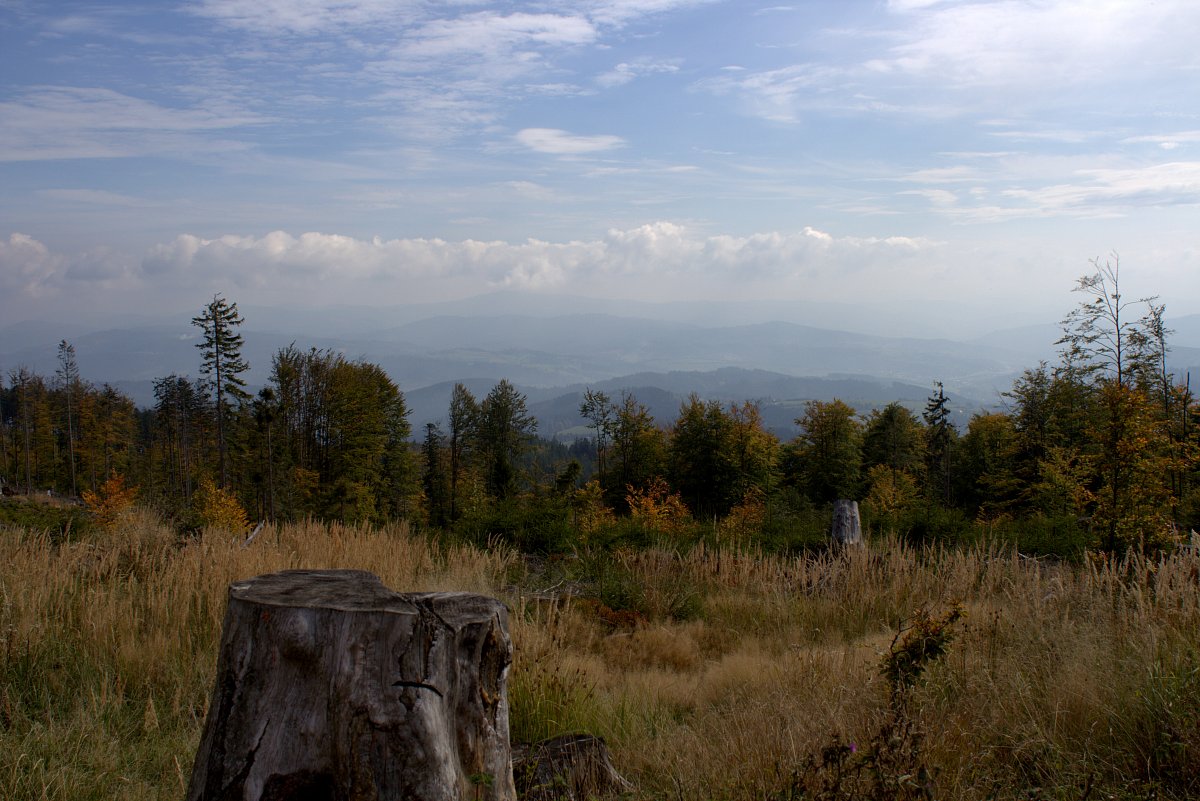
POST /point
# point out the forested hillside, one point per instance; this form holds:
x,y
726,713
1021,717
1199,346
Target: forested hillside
x,y
1097,450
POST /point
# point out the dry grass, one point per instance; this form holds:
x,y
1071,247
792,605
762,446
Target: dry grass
x,y
1061,678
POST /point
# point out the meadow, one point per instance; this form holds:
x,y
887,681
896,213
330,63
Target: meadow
x,y
713,673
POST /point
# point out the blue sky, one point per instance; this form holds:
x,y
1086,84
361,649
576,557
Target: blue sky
x,y
959,160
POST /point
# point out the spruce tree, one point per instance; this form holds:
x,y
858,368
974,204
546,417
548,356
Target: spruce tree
x,y
504,433
939,436
68,376
224,365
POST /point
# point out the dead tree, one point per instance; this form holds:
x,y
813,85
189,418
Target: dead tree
x,y
847,525
331,687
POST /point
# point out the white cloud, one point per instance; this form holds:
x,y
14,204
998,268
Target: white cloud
x,y
1044,42
619,13
943,59
27,267
1166,141
306,17
779,95
1098,190
647,258
561,143
97,197
75,122
937,197
625,72
30,270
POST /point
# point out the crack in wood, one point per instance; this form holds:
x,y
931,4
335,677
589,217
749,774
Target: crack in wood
x,y
416,685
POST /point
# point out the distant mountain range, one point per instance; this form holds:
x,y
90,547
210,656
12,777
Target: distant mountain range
x,y
555,348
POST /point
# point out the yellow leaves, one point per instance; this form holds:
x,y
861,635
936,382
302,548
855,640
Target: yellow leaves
x,y
656,507
591,513
746,519
111,503
892,491
218,508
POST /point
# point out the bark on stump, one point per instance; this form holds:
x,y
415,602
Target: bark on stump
x,y
331,687
847,525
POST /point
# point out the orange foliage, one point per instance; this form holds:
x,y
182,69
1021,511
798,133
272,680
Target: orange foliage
x,y
658,508
111,502
218,508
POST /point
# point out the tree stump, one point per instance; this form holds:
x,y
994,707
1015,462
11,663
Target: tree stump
x,y
847,525
331,687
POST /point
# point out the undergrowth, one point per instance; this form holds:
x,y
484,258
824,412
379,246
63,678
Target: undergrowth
x,y
711,671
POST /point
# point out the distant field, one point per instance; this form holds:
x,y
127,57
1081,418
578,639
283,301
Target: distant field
x,y
712,674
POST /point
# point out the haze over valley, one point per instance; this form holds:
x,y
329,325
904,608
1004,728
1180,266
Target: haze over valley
x,y
555,347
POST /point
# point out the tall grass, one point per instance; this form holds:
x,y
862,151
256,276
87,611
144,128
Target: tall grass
x,y
730,667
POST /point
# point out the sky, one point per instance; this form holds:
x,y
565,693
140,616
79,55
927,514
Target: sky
x,y
947,161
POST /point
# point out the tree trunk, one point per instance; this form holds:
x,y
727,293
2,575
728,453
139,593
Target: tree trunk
x,y
847,526
331,687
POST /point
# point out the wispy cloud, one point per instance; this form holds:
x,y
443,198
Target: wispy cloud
x,y
959,58
618,13
97,197
308,17
76,122
562,143
1166,141
1171,184
625,72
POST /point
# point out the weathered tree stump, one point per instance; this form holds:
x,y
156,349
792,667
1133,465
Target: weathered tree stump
x,y
572,767
847,525
331,687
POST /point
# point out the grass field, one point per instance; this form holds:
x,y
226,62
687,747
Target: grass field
x,y
712,674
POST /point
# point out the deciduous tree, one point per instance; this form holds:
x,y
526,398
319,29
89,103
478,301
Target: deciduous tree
x,y
828,451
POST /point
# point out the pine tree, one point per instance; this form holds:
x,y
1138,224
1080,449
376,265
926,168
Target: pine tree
x,y
464,417
939,435
505,431
68,377
223,363
434,476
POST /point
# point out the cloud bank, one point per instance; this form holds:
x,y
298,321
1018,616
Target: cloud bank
x,y
660,259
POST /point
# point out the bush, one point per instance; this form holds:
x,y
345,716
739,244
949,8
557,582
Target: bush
x,y
62,523
937,525
532,525
1039,535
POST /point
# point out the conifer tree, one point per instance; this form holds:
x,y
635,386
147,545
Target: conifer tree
x,y
464,417
223,363
68,377
434,476
939,434
505,431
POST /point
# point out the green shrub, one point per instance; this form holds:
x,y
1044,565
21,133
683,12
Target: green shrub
x,y
1061,537
62,523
